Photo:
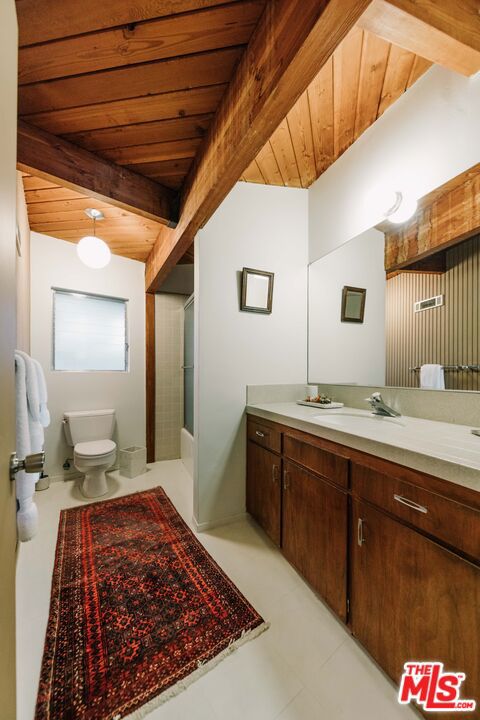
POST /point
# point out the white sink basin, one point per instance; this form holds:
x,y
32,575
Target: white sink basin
x,y
357,420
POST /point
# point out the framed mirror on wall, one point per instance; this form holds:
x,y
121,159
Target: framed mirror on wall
x,y
353,304
257,291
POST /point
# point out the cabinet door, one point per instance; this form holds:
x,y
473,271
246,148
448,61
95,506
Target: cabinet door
x,y
314,534
264,489
413,600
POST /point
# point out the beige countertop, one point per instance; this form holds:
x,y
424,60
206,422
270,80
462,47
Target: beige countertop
x,y
442,449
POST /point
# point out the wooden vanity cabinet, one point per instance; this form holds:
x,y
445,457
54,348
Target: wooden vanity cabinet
x,y
412,599
302,511
314,533
406,545
264,485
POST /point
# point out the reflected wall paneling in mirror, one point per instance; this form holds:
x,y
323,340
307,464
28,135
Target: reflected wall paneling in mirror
x,y
448,335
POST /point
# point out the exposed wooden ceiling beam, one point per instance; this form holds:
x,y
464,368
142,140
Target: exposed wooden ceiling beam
x,y
446,32
292,40
58,160
189,257
445,217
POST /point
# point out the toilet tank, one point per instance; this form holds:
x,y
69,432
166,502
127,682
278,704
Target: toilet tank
x,y
87,425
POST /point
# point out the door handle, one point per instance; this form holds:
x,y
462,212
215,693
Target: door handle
x,y
411,504
360,537
286,484
274,473
31,464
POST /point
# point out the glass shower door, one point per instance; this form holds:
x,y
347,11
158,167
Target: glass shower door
x,y
188,357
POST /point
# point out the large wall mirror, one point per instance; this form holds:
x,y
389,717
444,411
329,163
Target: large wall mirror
x,y
422,301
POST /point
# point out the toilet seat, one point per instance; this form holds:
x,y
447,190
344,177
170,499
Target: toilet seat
x,y
94,448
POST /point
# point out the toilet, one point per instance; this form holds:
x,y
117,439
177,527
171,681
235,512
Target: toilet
x,y
90,432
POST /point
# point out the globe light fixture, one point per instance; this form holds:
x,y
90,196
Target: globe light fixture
x,y
398,207
405,210
92,251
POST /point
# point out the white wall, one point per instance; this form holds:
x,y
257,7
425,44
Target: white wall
x,y
342,352
264,228
430,135
54,263
23,270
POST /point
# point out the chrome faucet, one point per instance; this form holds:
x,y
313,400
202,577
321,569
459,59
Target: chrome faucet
x,y
379,407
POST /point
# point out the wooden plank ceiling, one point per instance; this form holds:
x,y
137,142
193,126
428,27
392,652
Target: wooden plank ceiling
x,y
139,86
362,79
59,212
178,96
136,83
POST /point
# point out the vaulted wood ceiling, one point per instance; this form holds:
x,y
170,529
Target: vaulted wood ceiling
x,y
143,96
137,84
362,79
157,108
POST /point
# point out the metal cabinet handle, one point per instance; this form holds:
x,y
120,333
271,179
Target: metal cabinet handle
x,y
260,434
360,538
274,473
286,484
31,464
411,504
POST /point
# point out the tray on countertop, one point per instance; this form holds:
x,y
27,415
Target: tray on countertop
x,y
321,406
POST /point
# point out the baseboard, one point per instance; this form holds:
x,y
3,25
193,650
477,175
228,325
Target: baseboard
x,y
211,524
66,477
71,476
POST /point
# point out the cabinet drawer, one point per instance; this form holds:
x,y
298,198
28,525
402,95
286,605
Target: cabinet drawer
x,y
265,436
456,524
324,463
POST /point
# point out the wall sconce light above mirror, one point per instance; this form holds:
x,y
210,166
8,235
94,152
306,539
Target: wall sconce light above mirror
x,y
353,304
257,291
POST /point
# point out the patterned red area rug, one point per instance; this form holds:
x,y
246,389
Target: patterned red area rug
x,y
138,610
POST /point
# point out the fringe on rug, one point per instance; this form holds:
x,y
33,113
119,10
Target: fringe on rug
x,y
202,669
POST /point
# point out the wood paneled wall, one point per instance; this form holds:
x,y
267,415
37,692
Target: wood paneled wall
x,y
448,335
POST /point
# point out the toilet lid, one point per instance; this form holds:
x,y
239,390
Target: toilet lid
x,y
94,447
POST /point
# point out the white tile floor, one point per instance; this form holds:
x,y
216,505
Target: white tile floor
x,y
305,667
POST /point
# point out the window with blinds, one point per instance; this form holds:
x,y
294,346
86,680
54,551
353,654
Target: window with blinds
x,y
89,332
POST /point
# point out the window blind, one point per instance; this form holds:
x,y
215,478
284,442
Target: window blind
x,y
89,332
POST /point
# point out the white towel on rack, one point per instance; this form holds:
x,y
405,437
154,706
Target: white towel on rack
x,y
44,415
27,515
37,435
432,377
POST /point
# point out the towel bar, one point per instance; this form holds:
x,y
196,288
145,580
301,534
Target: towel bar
x,y
453,368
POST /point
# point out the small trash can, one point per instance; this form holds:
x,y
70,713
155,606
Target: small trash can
x,y
133,461
43,482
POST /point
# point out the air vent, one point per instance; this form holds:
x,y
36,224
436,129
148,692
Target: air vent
x,y
429,303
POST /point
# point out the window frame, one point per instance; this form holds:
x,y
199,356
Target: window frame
x,y
99,296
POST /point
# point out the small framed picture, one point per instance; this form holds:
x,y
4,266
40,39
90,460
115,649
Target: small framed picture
x,y
257,291
353,304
